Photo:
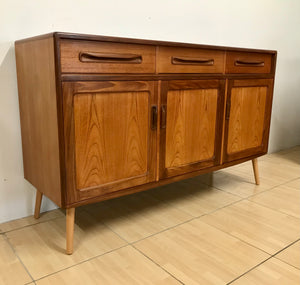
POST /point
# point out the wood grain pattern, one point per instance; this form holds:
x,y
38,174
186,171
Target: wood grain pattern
x,y
165,54
38,116
191,122
108,135
192,137
71,49
247,116
192,172
111,136
252,107
249,59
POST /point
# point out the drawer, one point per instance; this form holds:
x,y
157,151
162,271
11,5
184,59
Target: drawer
x,y
79,56
246,62
189,60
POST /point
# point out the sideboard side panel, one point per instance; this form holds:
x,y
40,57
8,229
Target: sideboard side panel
x,y
38,115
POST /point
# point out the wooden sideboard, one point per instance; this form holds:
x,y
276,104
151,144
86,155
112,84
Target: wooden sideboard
x,y
103,117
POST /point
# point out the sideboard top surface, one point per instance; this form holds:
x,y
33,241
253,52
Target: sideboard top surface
x,y
75,36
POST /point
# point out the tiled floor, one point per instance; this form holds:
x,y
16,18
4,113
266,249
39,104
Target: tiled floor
x,y
213,229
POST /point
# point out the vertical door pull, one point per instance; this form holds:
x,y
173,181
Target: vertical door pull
x,y
228,105
163,121
154,117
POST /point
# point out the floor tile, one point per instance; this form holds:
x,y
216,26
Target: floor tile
x,y
197,253
122,266
272,272
291,255
27,221
282,198
294,184
41,247
11,270
193,197
257,225
239,183
137,216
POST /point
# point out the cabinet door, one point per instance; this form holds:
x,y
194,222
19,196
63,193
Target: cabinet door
x,y
247,117
191,125
110,136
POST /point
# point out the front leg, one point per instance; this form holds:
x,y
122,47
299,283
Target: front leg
x,y
70,217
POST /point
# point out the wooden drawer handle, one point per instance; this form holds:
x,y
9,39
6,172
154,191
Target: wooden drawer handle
x,y
247,63
192,61
109,57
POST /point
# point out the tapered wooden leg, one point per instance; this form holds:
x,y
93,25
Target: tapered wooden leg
x,y
70,216
255,170
38,202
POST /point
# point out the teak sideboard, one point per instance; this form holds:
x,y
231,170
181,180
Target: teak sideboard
x,y
103,117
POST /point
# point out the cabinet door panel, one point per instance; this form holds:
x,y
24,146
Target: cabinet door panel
x,y
247,122
111,133
111,142
191,139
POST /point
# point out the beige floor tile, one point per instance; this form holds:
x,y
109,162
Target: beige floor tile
x,y
12,271
41,247
239,180
272,272
197,253
137,216
257,225
238,183
282,198
27,221
291,255
294,184
122,266
193,197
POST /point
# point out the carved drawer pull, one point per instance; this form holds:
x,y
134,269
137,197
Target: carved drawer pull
x,y
109,57
192,61
249,63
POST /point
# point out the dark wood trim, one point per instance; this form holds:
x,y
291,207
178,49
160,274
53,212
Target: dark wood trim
x,y
129,77
160,182
73,36
60,119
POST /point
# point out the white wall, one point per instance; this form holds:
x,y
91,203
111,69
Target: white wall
x,y
266,24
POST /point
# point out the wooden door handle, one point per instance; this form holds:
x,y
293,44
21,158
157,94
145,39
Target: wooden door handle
x,y
154,117
163,120
109,57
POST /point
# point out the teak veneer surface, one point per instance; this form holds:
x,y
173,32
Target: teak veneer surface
x,y
38,115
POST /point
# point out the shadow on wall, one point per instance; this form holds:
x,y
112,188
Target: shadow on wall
x,y
10,143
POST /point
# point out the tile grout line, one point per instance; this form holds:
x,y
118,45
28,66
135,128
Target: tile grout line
x,y
81,262
26,226
146,256
272,256
279,211
20,260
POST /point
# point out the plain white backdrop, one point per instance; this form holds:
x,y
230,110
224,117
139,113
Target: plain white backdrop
x,y
263,24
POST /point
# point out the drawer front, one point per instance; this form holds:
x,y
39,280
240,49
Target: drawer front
x,y
246,62
189,60
106,57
